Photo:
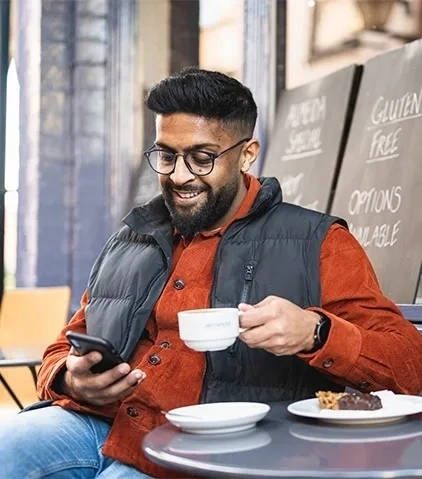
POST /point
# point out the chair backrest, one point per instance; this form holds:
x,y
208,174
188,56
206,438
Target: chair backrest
x,y
412,312
33,316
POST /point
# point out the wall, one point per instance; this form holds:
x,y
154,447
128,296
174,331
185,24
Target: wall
x,y
77,136
221,36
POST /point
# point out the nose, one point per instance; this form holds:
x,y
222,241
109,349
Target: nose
x,y
181,173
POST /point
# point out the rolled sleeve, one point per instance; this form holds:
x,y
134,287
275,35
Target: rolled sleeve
x,y
341,350
371,346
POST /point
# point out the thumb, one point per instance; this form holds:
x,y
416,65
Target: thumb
x,y
244,307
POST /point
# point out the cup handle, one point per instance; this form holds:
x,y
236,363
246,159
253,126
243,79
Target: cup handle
x,y
241,330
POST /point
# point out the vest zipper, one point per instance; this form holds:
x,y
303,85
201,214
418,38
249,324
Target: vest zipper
x,y
249,274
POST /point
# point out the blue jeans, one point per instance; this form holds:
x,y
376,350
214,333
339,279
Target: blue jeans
x,y
53,443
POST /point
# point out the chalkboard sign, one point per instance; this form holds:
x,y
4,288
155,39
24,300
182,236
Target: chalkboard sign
x,y
379,190
309,136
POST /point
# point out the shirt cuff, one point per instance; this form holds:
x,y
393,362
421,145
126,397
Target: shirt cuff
x,y
341,350
52,389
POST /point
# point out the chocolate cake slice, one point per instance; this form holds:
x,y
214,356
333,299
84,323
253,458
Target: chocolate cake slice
x,y
348,401
360,401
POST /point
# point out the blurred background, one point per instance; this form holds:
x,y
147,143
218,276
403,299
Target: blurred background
x,y
73,126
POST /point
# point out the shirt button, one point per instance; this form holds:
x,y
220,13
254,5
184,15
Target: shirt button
x,y
363,385
165,345
328,363
179,284
132,412
154,359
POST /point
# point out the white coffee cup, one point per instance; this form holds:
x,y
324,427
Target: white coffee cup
x,y
211,329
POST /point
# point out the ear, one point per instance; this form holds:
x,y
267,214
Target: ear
x,y
249,154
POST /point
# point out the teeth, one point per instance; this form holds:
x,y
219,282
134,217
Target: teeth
x,y
187,195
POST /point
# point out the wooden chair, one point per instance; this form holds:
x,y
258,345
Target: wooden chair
x,y
30,319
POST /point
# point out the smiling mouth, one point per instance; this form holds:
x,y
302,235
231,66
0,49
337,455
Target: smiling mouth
x,y
187,195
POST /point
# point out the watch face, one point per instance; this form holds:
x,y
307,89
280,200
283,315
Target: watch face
x,y
324,330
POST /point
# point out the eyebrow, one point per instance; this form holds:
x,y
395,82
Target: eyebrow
x,y
196,147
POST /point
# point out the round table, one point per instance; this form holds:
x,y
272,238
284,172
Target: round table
x,y
283,445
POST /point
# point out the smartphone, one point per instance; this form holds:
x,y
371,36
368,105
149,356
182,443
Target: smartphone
x,y
84,344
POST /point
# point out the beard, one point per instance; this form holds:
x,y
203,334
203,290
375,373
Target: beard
x,y
191,220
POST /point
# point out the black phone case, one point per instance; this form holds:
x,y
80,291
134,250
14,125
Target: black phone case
x,y
84,344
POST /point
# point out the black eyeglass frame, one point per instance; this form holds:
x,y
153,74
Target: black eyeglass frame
x,y
212,156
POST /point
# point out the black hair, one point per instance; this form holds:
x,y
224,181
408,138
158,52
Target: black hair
x,y
208,94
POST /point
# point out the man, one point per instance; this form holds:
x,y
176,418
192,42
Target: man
x,y
215,237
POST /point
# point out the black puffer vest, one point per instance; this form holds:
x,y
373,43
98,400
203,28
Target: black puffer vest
x,y
274,250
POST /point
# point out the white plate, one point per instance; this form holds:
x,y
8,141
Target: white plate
x,y
217,418
395,408
219,443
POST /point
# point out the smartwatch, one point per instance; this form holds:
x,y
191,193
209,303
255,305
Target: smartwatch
x,y
322,330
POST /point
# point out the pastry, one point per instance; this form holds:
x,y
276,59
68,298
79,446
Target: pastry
x,y
348,401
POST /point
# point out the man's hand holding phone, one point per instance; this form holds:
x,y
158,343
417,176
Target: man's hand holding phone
x,y
99,389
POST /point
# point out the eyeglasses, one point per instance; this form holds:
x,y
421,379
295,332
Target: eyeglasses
x,y
199,163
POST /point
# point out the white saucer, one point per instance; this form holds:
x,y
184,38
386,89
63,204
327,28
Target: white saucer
x,y
218,418
219,443
395,408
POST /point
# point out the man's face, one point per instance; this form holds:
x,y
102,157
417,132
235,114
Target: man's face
x,y
206,202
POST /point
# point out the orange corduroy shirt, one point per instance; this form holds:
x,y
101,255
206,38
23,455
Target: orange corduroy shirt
x,y
361,350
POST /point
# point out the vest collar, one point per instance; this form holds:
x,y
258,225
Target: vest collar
x,y
155,215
